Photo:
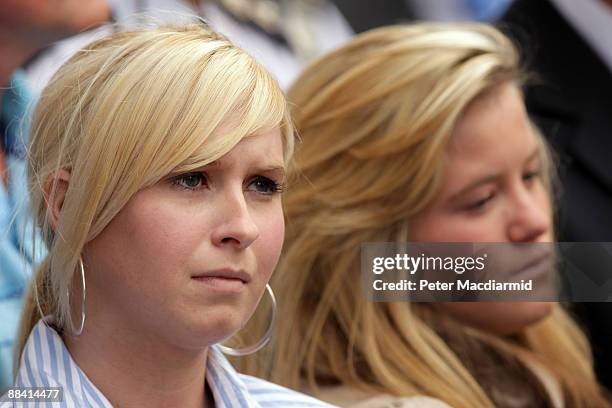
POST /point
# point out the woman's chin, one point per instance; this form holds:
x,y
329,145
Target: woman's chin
x,y
525,315
203,331
501,318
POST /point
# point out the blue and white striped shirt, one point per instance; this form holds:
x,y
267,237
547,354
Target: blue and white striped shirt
x,y
47,363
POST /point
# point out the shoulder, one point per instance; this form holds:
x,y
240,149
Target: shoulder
x,y
46,363
273,395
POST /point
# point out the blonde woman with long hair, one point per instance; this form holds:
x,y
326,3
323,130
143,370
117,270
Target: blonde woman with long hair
x,y
418,133
156,164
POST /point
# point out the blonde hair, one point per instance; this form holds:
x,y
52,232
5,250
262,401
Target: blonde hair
x,y
120,115
376,117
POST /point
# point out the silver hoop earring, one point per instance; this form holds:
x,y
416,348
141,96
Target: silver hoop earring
x,y
263,341
80,330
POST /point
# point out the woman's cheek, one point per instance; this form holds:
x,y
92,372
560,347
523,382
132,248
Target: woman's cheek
x,y
271,241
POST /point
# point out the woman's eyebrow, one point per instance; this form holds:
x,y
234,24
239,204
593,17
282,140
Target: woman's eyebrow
x,y
534,155
266,167
271,169
278,169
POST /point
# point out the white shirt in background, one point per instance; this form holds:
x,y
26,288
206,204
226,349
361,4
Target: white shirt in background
x,y
328,26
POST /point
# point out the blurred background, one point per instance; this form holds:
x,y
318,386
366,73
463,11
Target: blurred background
x,y
283,34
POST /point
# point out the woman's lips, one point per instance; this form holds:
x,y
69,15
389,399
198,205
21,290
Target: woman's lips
x,y
224,280
225,273
536,267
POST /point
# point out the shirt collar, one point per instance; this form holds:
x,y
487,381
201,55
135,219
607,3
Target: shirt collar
x,y
46,362
228,388
592,19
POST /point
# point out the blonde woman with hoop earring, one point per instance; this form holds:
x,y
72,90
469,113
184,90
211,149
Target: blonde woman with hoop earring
x,y
156,167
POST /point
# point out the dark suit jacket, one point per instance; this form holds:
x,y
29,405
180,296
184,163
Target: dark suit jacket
x,y
364,15
571,100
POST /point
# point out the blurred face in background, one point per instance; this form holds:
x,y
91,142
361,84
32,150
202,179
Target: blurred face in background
x,y
45,21
27,26
492,191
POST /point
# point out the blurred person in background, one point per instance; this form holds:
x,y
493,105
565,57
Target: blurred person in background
x,y
363,15
459,10
283,35
26,27
568,47
418,133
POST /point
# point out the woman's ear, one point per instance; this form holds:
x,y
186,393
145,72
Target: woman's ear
x,y
54,195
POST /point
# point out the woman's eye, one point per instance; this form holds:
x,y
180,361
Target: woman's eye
x,y
532,175
264,185
190,181
480,204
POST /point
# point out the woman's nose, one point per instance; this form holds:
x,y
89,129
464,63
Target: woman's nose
x,y
531,216
235,225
